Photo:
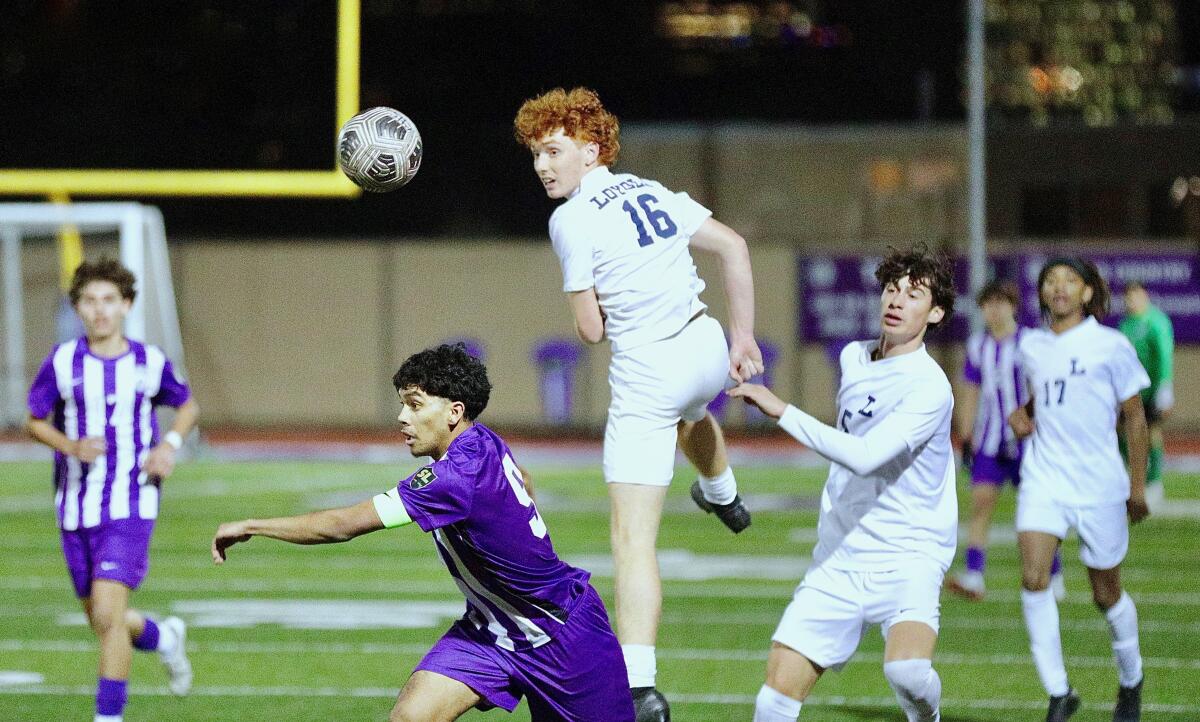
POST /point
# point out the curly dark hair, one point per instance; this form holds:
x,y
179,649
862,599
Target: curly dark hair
x,y
1087,270
105,269
449,372
924,268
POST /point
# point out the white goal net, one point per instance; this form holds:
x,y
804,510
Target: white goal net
x,y
29,283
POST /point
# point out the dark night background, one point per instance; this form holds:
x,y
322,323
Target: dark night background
x,y
211,85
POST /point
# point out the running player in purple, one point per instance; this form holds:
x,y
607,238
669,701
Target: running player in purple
x,y
992,389
93,402
533,626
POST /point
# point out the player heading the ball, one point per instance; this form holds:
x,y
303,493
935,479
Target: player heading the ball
x,y
624,244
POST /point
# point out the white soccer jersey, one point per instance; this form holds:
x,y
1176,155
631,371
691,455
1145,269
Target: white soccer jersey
x,y
1078,380
890,495
628,237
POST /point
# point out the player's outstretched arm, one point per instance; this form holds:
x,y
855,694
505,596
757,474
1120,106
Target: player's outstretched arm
x,y
320,527
760,397
861,454
745,358
1137,439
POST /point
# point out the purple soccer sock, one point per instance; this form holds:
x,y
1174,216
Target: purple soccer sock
x,y
110,697
976,559
147,641
1056,565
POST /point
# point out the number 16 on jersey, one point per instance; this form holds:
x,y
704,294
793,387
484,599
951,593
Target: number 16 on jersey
x,y
659,220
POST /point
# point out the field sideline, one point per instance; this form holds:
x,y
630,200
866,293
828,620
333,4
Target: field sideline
x,y
320,633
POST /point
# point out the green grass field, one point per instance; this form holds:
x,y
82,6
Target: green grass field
x,y
262,646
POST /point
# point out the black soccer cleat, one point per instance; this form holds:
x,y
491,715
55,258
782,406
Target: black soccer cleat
x,y
1129,703
649,705
734,515
1063,706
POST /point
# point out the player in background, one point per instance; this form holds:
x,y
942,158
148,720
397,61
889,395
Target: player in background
x,y
624,244
1081,375
93,401
992,389
1153,338
533,626
889,515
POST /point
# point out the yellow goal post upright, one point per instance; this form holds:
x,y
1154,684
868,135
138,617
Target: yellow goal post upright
x,y
114,182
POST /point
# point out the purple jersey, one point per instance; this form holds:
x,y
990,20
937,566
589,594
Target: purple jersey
x,y
114,398
488,532
994,367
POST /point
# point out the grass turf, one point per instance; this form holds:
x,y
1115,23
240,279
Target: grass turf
x,y
719,611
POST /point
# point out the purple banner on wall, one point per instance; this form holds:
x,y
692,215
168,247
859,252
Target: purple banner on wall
x,y
839,296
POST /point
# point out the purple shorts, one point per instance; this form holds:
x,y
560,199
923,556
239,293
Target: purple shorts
x,y
578,675
118,550
995,470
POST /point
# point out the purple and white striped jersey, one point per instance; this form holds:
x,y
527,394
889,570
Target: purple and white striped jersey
x,y
488,532
114,398
995,368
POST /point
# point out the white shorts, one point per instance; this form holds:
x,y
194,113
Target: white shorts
x,y
1103,530
832,608
653,387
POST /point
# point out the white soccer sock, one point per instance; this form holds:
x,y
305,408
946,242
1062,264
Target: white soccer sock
x,y
640,663
1123,624
917,686
719,489
108,718
772,706
1045,640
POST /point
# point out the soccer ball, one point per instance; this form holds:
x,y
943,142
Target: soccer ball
x,y
379,149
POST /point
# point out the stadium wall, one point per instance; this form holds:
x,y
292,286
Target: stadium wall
x,y
307,333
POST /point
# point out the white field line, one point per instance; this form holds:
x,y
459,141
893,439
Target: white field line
x,y
737,589
764,618
73,646
706,699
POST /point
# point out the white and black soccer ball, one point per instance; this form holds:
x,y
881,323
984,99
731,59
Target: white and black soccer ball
x,y
379,149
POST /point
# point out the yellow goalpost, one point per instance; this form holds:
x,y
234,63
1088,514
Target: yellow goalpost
x,y
330,183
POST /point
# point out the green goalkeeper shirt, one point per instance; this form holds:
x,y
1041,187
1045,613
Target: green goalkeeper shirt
x,y
1153,338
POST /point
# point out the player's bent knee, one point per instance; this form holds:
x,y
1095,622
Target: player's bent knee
x,y
1035,581
772,705
106,618
914,680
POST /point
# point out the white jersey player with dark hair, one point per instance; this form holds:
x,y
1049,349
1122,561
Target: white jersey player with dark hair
x,y
1082,376
889,514
624,244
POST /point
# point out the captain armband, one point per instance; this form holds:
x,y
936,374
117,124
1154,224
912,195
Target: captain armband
x,y
391,510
